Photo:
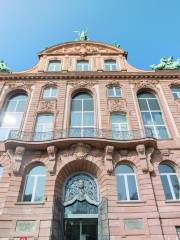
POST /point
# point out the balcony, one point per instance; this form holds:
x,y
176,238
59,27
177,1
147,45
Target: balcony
x,y
96,137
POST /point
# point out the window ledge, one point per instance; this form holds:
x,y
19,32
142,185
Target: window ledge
x,y
173,201
131,202
29,203
110,98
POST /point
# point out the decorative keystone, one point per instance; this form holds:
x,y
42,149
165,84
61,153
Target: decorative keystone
x,y
108,158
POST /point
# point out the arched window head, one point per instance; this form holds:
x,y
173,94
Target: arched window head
x,y
1,171
152,116
50,92
176,92
12,116
170,181
34,185
82,65
110,65
114,91
82,115
126,183
54,66
44,127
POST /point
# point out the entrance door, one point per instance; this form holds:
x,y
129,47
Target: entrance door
x,y
81,229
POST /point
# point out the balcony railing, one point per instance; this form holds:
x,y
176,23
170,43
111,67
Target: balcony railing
x,y
80,133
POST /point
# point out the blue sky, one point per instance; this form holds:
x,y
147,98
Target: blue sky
x,y
147,29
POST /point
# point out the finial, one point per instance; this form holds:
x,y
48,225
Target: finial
x,y
82,35
3,67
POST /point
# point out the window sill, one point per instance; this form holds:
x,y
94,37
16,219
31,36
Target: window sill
x,y
112,98
131,202
29,203
173,201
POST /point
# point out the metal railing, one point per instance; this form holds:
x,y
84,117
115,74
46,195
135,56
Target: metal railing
x,y
80,133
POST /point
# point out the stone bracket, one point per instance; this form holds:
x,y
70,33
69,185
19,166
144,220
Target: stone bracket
x,y
108,158
145,158
52,156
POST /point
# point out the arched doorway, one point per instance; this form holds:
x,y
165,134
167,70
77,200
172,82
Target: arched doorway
x,y
81,200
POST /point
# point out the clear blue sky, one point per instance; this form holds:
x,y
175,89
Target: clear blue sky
x,y
147,29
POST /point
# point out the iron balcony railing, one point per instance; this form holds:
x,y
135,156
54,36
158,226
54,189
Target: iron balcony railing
x,y
80,133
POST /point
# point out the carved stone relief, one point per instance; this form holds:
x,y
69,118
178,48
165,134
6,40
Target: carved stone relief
x,y
52,151
82,83
47,106
81,150
152,84
108,158
145,157
117,105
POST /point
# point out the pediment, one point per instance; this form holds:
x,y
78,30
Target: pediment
x,y
83,48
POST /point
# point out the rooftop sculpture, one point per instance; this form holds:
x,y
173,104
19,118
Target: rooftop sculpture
x,y
4,67
82,35
167,64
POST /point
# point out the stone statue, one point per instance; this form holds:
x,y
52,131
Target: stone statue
x,y
116,44
3,67
167,64
82,35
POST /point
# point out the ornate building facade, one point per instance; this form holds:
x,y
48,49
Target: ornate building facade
x,y
89,148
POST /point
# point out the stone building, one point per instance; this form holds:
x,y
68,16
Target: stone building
x,y
89,148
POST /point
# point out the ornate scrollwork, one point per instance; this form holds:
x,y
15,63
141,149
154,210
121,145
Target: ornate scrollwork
x,y
47,106
117,105
79,188
81,150
151,84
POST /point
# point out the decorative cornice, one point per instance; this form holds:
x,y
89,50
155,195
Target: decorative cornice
x,y
91,75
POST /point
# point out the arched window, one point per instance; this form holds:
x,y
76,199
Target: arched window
x,y
50,92
82,65
34,185
11,117
110,65
54,66
152,116
176,92
119,126
82,115
114,91
44,127
170,181
126,183
1,171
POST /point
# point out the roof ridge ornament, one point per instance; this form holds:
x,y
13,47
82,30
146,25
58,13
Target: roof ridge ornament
x,y
168,63
4,67
82,35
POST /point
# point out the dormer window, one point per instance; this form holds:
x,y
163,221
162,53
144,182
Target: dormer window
x,y
54,66
114,91
82,65
110,65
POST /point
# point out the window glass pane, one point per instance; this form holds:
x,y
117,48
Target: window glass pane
x,y
54,66
39,189
11,105
82,65
118,91
132,188
46,92
176,185
1,171
162,132
153,104
143,104
164,168
146,95
38,170
76,105
110,65
166,187
76,119
110,92
44,123
121,190
88,118
12,120
28,189
147,118
124,168
54,92
87,105
157,117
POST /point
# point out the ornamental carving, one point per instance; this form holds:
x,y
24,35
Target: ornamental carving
x,y
19,84
113,83
145,157
47,106
108,158
83,83
175,82
152,84
81,150
52,151
117,105
79,188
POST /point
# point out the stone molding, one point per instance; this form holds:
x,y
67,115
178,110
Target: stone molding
x,y
47,106
108,158
117,105
52,157
145,158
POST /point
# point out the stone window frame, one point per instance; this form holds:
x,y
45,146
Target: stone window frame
x,y
171,88
46,87
175,167
156,94
126,185
111,59
51,59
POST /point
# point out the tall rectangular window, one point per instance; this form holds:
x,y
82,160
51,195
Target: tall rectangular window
x,y
119,126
